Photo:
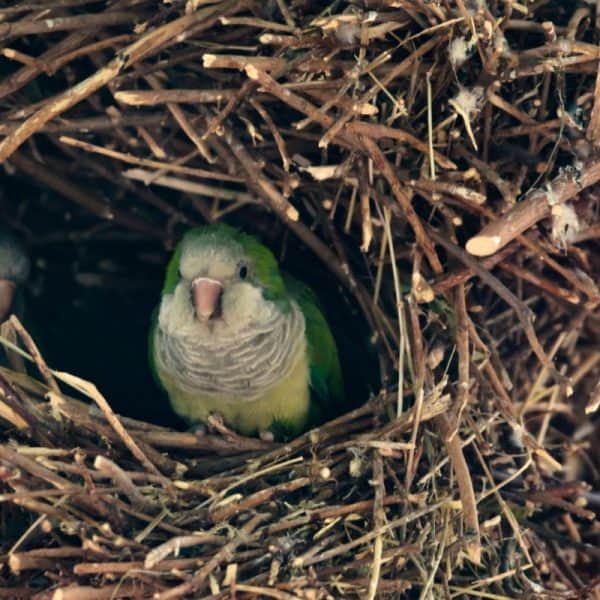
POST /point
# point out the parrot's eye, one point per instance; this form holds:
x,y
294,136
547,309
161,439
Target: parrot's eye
x,y
243,272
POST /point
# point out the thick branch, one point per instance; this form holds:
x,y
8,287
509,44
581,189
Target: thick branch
x,y
532,209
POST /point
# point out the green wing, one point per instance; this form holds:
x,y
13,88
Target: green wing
x,y
326,382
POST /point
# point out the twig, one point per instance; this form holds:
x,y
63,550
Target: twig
x,y
144,162
379,521
523,313
112,470
81,196
35,353
534,208
197,582
174,545
141,48
27,27
387,171
465,486
92,392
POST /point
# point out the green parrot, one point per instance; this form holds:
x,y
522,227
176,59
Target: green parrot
x,y
14,271
233,335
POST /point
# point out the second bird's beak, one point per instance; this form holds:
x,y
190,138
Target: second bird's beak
x,y
206,297
7,295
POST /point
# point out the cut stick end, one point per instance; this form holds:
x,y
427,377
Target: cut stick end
x,y
292,214
474,552
483,245
208,60
14,563
251,71
124,97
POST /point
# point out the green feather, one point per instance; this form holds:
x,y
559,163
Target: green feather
x,y
172,277
326,379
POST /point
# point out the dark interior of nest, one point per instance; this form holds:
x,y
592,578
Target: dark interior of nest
x,y
93,288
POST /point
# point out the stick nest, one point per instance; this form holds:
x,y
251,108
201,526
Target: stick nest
x,y
440,161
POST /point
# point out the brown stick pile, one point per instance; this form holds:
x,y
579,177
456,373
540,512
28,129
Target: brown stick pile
x,y
440,159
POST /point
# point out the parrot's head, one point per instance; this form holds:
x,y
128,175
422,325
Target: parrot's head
x,y
14,270
220,280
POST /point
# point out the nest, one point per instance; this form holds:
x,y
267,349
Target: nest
x,y
438,162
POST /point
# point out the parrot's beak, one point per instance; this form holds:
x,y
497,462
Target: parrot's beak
x,y
7,295
206,297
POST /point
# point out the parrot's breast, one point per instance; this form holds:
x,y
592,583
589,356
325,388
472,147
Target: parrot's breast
x,y
237,370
